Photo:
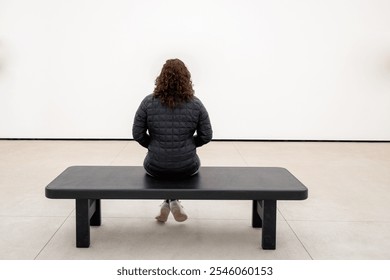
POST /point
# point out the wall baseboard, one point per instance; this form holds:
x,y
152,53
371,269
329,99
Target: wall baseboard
x,y
214,140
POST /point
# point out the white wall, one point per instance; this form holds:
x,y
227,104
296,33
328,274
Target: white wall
x,y
309,69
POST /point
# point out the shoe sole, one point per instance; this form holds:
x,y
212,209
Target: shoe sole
x,y
179,217
163,217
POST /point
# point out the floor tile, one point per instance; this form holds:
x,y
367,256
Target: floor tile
x,y
33,203
206,209
220,154
22,238
344,240
133,154
127,238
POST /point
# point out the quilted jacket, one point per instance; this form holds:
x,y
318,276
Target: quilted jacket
x,y
171,136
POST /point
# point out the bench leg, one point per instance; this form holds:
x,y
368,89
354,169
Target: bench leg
x,y
88,213
268,236
96,218
82,223
256,219
264,215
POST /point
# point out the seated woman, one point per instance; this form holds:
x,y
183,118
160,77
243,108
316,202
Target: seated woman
x,y
171,123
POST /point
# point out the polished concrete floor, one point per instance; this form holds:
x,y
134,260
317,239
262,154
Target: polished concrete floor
x,y
347,214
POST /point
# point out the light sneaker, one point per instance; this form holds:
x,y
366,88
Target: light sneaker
x,y
164,212
178,211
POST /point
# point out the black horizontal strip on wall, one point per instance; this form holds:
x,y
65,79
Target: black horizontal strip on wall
x,y
214,140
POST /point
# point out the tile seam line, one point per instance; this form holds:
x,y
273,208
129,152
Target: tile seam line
x,y
44,246
117,155
338,221
239,152
198,219
296,235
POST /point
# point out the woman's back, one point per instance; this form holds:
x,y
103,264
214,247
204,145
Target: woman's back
x,y
172,144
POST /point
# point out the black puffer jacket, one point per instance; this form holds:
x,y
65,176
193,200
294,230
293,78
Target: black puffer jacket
x,y
168,134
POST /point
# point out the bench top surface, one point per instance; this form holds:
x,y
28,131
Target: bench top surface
x,y
131,182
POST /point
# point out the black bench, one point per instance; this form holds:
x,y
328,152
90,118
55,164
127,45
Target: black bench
x,y
263,185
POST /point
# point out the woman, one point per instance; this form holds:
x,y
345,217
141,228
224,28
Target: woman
x,y
165,123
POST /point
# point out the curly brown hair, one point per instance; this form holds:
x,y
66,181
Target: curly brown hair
x,y
174,85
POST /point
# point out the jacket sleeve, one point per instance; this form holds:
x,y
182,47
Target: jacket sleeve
x,y
140,125
204,132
